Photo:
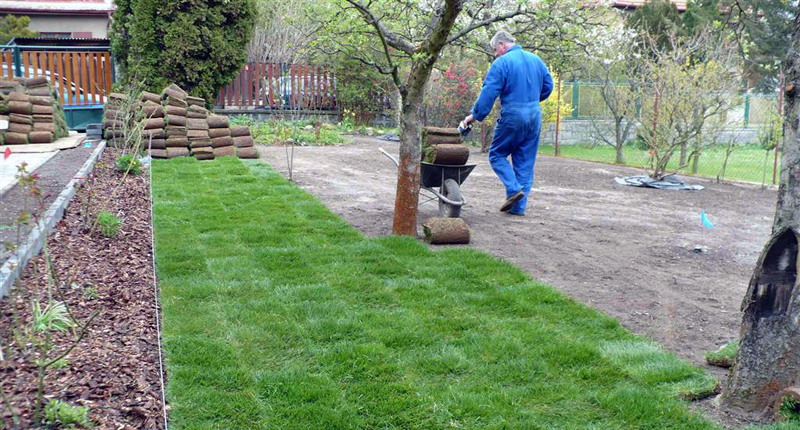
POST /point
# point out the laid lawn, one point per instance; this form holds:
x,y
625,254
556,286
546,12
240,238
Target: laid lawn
x,y
746,163
279,315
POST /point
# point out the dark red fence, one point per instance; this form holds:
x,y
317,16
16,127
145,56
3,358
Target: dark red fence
x,y
280,86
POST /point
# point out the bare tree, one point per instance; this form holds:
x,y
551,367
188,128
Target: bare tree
x,y
404,40
282,34
681,87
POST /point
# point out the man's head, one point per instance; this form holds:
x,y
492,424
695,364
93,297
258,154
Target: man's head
x,y
501,41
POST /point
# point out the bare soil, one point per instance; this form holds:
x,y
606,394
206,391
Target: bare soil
x,y
114,371
629,252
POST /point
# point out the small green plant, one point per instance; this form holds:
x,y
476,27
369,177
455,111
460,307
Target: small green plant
x,y
60,364
790,409
58,413
90,293
109,224
129,163
725,355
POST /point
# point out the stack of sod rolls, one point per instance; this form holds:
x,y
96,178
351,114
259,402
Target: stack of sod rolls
x,y
443,146
114,119
154,137
175,107
197,126
220,133
32,110
243,142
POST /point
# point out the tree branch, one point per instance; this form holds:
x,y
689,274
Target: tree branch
x,y
387,36
483,23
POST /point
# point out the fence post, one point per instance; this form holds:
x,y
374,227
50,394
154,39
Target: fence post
x,y
746,109
558,114
575,99
17,62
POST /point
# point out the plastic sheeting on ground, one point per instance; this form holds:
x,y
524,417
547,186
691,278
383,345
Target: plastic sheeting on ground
x,y
669,182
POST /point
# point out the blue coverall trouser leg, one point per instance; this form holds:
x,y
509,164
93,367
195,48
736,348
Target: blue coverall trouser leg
x,y
517,135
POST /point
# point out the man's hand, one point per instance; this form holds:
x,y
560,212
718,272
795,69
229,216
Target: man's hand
x,y
469,119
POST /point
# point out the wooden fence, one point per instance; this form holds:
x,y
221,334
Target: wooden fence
x,y
280,86
80,77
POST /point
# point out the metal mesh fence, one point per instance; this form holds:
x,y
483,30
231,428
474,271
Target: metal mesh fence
x,y
738,152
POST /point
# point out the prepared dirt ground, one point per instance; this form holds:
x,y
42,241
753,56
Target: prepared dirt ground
x,y
629,252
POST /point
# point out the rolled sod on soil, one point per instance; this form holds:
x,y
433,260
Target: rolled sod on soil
x,y
24,108
240,130
225,151
243,141
200,143
175,110
118,97
111,113
155,133
156,143
173,93
16,127
249,152
19,97
44,126
110,133
41,137
153,123
36,82
16,138
43,91
41,101
197,134
196,124
434,139
148,96
177,142
20,118
37,109
176,120
110,123
440,131
158,153
195,101
218,121
444,230
197,115
204,156
42,117
448,154
177,152
153,110
175,131
218,132
171,101
219,142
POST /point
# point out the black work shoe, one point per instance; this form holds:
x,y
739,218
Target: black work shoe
x,y
509,203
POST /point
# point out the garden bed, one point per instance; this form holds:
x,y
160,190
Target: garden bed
x,y
114,370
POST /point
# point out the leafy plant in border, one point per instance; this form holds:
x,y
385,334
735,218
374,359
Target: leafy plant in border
x,y
108,223
129,163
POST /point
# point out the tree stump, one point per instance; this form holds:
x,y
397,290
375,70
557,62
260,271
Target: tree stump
x,y
443,230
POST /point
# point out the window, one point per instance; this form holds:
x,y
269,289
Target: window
x,y
56,35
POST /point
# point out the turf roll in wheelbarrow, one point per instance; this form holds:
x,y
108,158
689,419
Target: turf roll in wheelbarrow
x,y
444,230
447,154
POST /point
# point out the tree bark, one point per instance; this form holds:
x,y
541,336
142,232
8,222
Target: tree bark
x,y
407,198
768,360
620,140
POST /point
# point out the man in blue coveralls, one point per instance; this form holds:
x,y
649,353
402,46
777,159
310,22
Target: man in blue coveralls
x,y
522,81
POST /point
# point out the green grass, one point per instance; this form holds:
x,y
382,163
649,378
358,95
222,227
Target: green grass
x,y
725,355
746,163
279,315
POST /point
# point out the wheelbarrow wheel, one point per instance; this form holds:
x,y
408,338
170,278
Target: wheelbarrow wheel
x,y
452,191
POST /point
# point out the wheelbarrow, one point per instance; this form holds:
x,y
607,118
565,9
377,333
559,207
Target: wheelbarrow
x,y
447,179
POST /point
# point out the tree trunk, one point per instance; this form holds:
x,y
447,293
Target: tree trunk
x,y
769,350
405,204
684,147
620,141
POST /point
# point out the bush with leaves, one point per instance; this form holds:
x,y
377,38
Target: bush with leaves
x,y
129,163
64,415
199,45
108,223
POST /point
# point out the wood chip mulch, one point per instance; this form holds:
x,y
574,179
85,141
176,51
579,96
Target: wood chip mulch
x,y
115,369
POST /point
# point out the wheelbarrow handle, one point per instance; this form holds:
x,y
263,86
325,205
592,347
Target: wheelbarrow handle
x,y
394,160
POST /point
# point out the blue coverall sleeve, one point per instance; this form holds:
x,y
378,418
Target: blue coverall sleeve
x,y
492,86
547,85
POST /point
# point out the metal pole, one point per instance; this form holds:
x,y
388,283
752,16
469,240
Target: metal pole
x,y
17,62
558,113
780,112
575,99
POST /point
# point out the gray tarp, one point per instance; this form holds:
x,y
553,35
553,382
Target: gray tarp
x,y
669,182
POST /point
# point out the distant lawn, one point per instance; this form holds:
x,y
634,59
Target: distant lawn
x,y
278,315
746,163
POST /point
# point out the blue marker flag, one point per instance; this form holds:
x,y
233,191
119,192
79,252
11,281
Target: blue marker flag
x,y
706,222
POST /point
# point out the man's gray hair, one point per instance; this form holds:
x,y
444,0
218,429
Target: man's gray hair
x,y
502,36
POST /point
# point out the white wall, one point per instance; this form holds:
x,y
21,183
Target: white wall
x,y
98,25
